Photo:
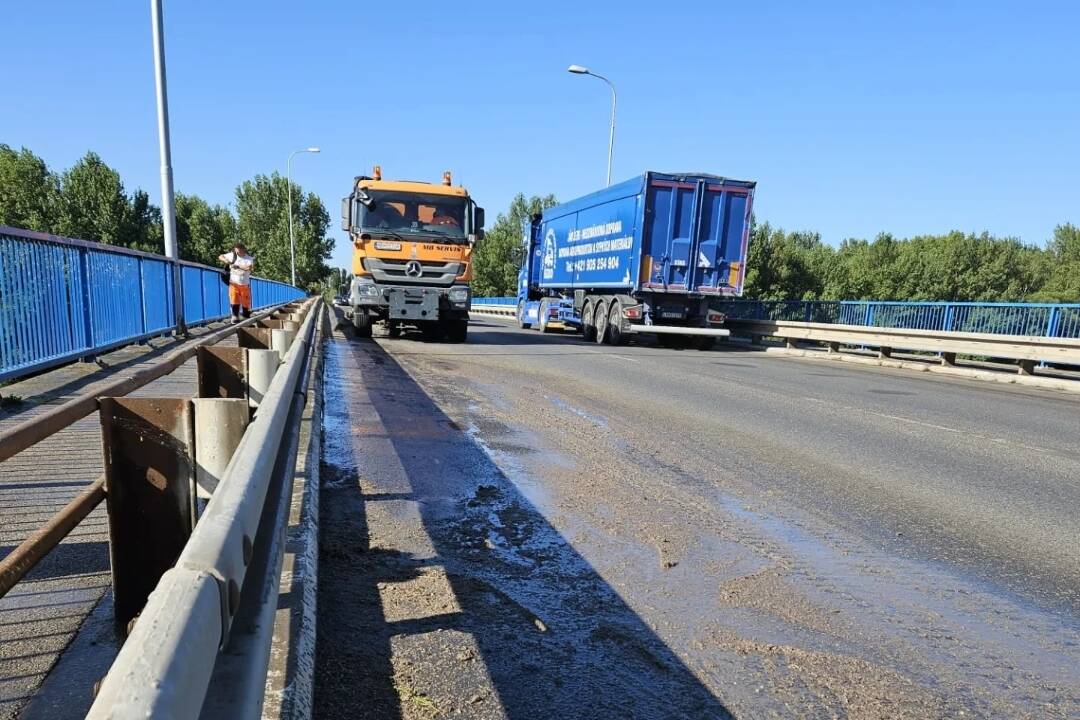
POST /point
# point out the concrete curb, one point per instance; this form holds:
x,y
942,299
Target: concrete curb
x,y
1069,386
290,678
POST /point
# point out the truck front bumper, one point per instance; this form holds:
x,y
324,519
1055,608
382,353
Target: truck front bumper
x,y
411,303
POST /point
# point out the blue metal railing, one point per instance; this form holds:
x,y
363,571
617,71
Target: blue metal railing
x,y
1032,319
62,299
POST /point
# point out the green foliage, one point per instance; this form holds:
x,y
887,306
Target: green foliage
x,y
1063,284
93,204
28,191
498,256
88,201
954,266
263,225
203,231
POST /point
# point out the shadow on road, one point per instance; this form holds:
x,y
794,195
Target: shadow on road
x,y
554,638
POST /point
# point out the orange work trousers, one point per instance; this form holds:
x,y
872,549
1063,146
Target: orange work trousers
x,y
240,295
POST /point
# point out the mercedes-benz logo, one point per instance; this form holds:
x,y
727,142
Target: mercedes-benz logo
x,y
413,268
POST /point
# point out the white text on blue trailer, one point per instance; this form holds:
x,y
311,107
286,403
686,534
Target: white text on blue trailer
x,y
650,255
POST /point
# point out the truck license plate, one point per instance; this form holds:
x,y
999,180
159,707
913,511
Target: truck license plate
x,y
671,314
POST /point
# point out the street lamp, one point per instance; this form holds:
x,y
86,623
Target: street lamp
x,y
288,183
579,70
168,206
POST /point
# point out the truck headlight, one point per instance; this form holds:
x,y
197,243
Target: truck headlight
x,y
459,295
367,290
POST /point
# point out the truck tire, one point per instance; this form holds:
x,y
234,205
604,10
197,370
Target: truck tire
x,y
705,342
521,316
393,329
457,331
542,326
600,318
615,335
588,322
362,322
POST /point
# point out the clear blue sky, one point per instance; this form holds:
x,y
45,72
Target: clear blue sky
x,y
854,117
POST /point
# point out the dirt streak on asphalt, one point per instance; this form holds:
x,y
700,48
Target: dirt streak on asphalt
x,y
499,541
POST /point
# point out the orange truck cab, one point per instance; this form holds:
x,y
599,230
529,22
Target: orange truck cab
x,y
412,255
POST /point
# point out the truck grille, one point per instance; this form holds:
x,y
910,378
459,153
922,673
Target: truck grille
x,y
396,272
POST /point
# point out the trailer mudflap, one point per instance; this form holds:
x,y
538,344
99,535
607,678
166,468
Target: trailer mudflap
x,y
413,303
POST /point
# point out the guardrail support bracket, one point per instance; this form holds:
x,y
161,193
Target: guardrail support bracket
x,y
948,359
149,479
1026,367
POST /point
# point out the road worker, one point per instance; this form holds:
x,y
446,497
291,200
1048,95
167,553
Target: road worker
x,y
240,265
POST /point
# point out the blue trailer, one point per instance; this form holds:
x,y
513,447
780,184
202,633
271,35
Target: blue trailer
x,y
652,255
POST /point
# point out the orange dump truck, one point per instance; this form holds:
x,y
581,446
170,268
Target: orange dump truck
x,y
412,255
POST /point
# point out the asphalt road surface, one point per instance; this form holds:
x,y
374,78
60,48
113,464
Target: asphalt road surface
x,y
534,526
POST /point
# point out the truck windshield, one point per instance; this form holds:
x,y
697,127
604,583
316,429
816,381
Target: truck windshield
x,y
415,213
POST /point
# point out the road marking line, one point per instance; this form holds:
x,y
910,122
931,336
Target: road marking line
x,y
932,426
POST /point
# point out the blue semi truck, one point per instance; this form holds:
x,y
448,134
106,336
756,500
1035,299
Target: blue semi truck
x,y
651,255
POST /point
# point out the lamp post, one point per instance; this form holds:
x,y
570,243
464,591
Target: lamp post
x,y
168,207
288,183
579,70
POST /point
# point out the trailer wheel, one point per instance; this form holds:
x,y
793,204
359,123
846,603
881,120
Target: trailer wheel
x,y
393,329
362,322
588,322
705,342
521,316
600,318
542,325
615,334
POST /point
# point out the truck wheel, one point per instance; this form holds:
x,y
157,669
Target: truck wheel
x,y
457,331
521,316
362,322
543,324
393,329
600,317
615,334
588,322
705,342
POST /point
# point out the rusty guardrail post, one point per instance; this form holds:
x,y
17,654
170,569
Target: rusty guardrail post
x,y
149,479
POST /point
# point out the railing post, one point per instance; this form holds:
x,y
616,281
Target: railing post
x,y
947,323
87,300
868,320
142,298
1052,323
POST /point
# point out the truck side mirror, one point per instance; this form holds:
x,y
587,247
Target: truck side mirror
x,y
480,221
346,212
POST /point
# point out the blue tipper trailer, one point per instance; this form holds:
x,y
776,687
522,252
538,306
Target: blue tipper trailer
x,y
651,255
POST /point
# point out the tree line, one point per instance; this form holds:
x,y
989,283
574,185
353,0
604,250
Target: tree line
x,y
782,265
89,201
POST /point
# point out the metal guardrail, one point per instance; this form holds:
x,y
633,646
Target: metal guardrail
x,y
16,564
165,667
62,299
1024,348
